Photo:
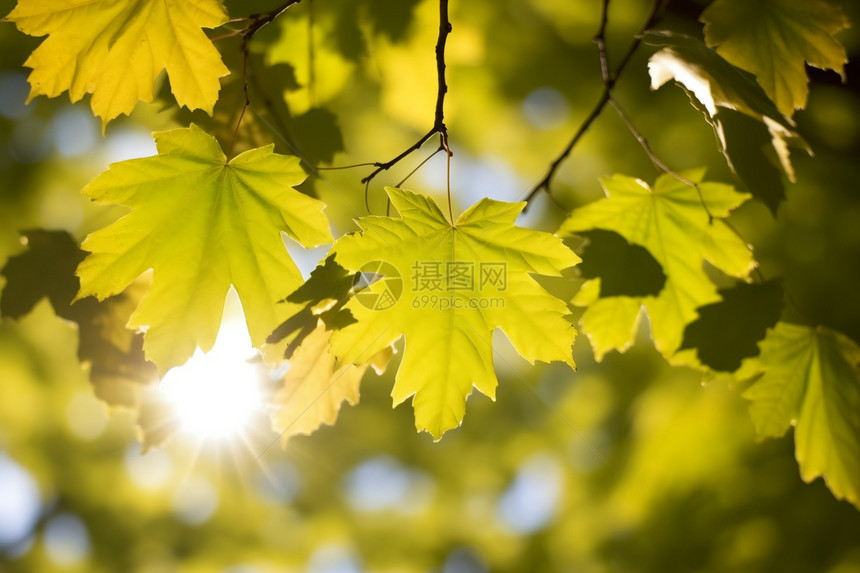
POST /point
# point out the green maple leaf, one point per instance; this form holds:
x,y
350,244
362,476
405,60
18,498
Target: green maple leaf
x,y
671,223
203,224
810,379
774,38
610,323
752,133
416,272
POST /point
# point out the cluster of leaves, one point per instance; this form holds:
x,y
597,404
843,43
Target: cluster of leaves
x,y
204,223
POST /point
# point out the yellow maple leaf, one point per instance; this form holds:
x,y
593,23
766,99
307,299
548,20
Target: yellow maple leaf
x,y
316,385
115,49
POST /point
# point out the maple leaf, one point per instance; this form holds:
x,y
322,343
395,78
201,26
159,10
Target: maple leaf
x,y
774,38
670,221
316,385
810,378
203,224
750,129
446,288
113,353
610,322
116,49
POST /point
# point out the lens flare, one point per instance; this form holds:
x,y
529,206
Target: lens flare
x,y
216,394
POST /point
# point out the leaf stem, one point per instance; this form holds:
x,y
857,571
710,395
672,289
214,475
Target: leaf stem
x,y
419,166
655,160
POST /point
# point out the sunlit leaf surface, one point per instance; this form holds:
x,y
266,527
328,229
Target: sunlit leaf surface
x,y
446,288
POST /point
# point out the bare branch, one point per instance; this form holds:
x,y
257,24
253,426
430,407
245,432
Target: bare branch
x,y
609,81
257,22
439,113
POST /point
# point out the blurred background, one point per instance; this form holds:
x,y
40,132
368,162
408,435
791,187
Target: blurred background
x,y
629,465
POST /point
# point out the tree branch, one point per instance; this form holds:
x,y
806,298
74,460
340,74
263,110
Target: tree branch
x,y
258,21
439,114
609,81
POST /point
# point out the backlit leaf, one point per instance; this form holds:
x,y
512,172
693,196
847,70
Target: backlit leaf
x,y
446,288
810,379
203,224
773,39
115,49
113,354
316,385
721,92
670,221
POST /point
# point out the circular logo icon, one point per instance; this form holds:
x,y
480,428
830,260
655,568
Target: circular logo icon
x,y
377,285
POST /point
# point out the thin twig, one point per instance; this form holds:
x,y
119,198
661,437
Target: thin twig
x,y
600,40
439,113
257,22
609,81
225,36
388,164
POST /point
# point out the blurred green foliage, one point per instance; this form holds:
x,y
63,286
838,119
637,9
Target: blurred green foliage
x,y
626,466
